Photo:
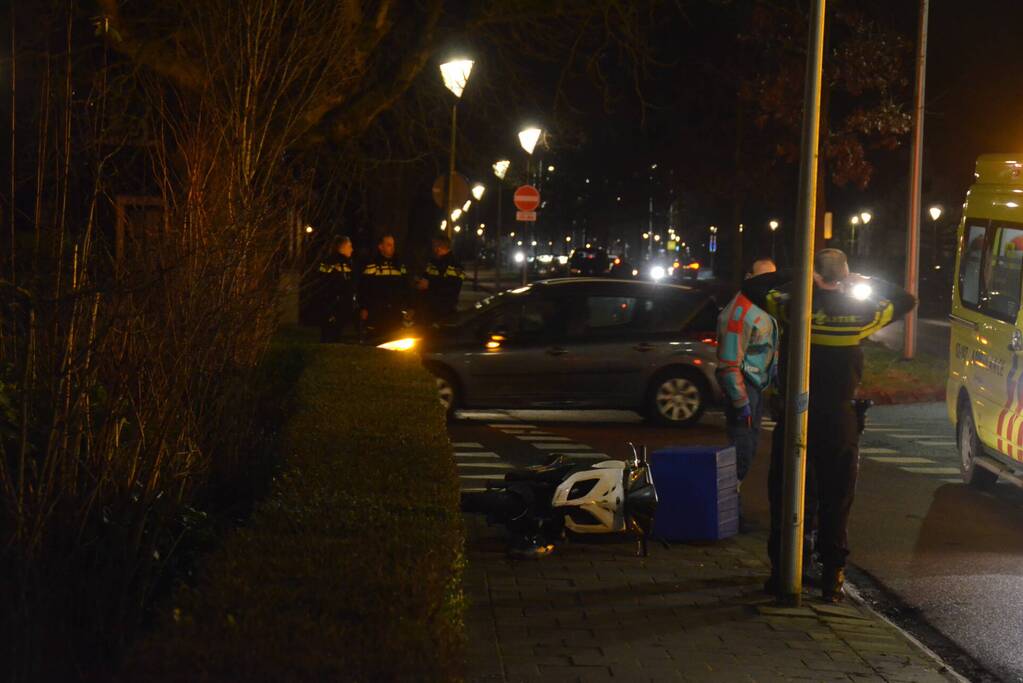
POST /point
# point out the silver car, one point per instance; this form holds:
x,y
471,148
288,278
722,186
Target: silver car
x,y
580,343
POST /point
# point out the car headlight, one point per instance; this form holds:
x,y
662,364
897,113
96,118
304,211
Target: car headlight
x,y
519,257
404,344
657,273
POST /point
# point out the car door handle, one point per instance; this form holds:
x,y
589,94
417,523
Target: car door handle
x,y
643,346
556,351
963,321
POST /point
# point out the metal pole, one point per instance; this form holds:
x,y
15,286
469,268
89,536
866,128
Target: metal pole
x,y
497,243
451,172
798,376
916,170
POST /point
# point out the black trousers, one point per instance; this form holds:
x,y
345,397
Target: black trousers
x,y
832,465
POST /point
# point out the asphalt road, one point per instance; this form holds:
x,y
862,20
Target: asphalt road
x,y
950,554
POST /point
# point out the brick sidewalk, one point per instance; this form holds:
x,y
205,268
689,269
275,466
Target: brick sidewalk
x,y
594,612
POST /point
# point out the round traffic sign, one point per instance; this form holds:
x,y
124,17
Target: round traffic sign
x,y
527,198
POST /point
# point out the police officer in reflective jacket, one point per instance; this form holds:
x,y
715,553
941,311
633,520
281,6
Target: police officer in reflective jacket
x,y
846,309
440,283
336,291
383,290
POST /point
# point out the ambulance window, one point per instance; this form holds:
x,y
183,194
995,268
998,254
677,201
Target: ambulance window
x,y
1003,271
970,265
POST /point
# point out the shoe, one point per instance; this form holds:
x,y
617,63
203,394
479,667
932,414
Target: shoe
x,y
832,582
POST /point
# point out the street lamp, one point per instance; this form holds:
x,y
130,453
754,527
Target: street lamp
x,y
477,191
550,169
865,217
774,241
456,76
501,168
935,212
479,232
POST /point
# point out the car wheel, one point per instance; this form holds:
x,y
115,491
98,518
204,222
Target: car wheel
x,y
969,450
447,391
677,398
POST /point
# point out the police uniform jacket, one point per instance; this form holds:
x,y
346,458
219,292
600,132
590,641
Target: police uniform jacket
x,y
838,323
337,285
444,275
383,286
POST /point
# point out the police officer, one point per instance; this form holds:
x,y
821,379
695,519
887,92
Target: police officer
x,y
383,290
441,282
846,309
336,290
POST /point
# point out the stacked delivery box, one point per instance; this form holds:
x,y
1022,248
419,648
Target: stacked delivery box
x,y
697,493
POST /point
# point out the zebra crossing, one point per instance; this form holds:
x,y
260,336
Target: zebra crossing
x,y
912,463
478,467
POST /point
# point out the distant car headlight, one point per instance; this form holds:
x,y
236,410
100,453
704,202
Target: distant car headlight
x,y
862,291
404,344
519,257
635,272
657,273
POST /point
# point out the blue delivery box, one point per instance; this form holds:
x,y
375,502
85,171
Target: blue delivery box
x,y
697,493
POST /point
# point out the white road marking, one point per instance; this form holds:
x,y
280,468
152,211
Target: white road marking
x,y
931,470
592,456
908,436
491,477
487,465
559,446
952,481
475,489
865,451
514,425
888,429
467,444
477,454
937,443
544,437
902,460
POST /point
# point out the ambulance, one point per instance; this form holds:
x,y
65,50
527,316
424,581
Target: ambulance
x,y
984,394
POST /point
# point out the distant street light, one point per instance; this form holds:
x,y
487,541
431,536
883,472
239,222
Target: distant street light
x,y
865,217
550,169
646,235
479,232
773,225
855,220
568,238
528,138
458,228
455,75
501,168
477,191
308,228
657,238
456,214
935,212
774,241
465,207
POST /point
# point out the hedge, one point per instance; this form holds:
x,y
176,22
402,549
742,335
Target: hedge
x,y
350,569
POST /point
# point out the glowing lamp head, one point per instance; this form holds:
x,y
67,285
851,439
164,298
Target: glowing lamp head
x,y
519,257
501,168
456,74
477,191
528,139
866,216
935,212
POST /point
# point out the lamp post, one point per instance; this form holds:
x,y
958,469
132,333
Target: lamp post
x,y
773,225
528,137
456,75
500,170
935,212
477,191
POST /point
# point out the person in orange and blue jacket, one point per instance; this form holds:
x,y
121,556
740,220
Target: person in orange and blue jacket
x,y
747,358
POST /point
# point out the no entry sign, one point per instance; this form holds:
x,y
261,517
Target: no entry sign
x,y
527,198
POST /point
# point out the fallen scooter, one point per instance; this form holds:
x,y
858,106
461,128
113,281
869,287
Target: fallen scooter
x,y
538,504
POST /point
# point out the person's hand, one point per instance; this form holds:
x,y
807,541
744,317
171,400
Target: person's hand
x,y
422,285
364,314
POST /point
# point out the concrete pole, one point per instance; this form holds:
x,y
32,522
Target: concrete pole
x,y
797,384
916,171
